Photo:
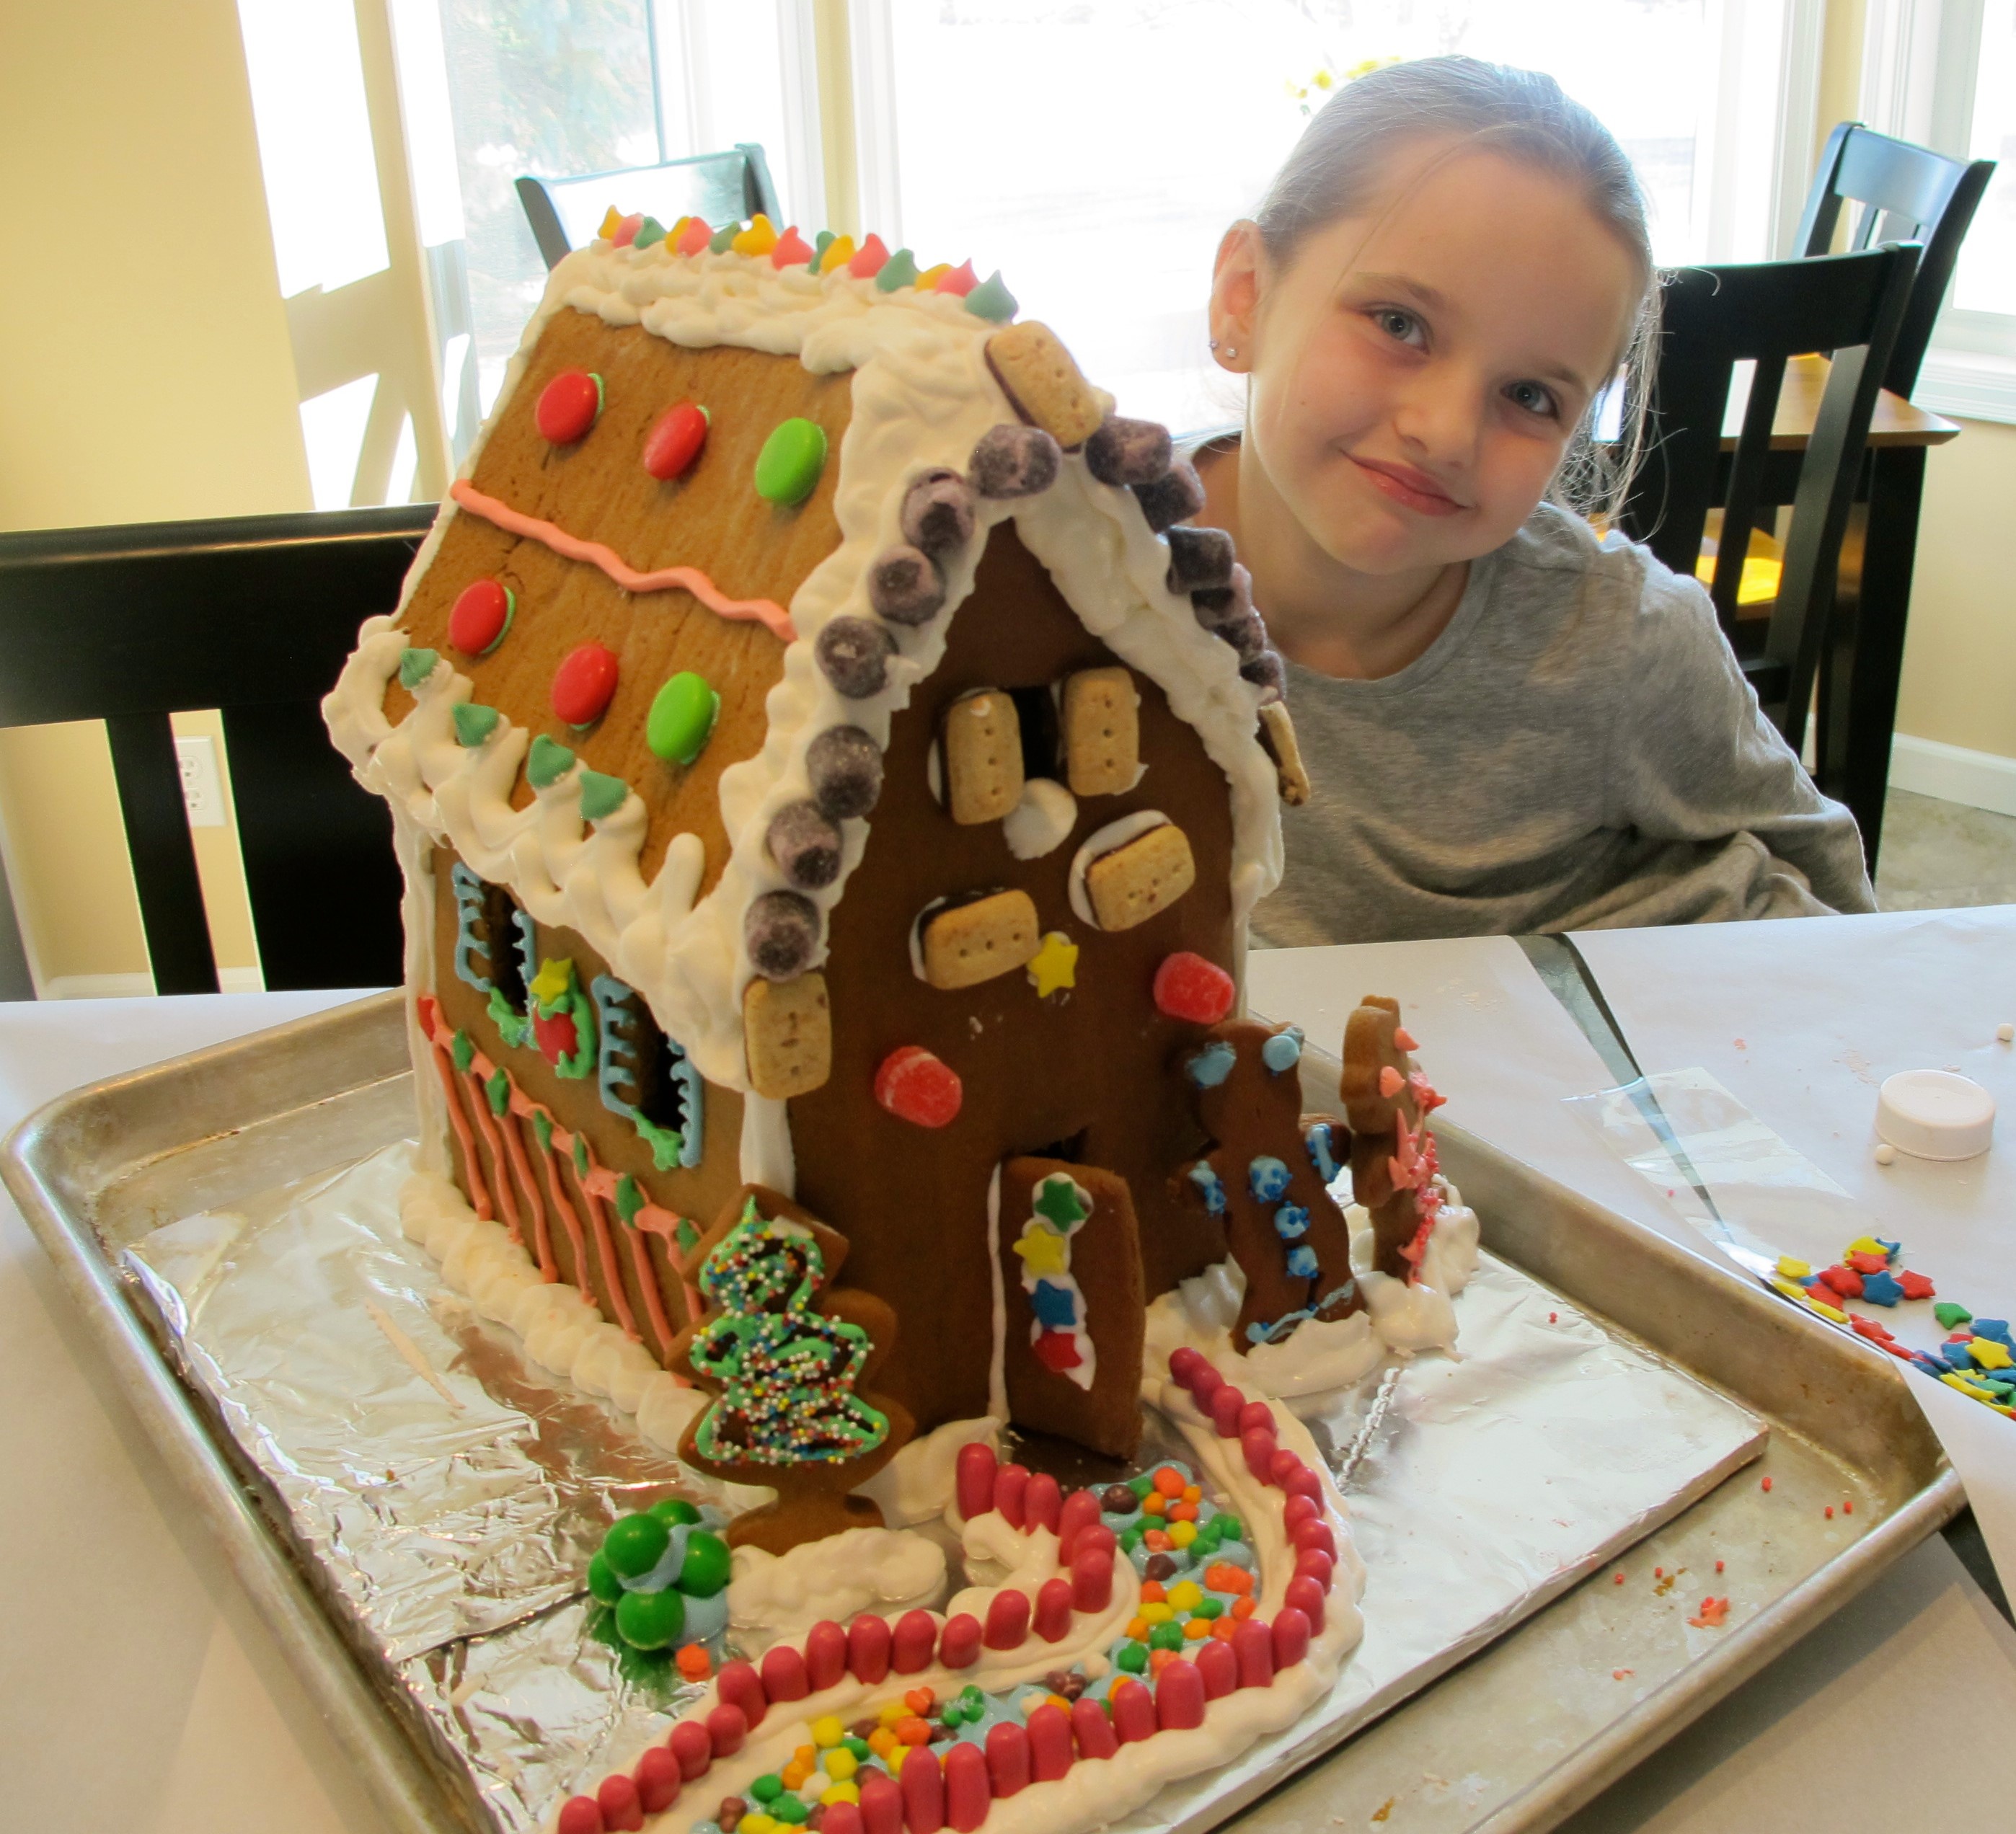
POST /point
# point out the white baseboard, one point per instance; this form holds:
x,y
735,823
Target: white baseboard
x,y
140,986
1981,779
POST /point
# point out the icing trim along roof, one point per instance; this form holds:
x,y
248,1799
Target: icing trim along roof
x,y
923,397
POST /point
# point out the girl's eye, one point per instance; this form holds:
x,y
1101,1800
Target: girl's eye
x,y
1534,397
1402,326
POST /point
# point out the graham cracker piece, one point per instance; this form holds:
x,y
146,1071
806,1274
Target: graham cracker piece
x,y
1129,885
983,756
787,1031
1102,731
972,943
1045,384
1277,736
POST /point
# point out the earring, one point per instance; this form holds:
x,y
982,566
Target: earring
x,y
1231,350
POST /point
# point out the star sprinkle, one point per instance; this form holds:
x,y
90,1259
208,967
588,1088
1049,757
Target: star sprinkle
x,y
1042,1251
1058,1202
553,982
1054,965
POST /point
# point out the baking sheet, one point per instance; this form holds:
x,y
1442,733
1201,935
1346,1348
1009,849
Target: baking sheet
x,y
450,1494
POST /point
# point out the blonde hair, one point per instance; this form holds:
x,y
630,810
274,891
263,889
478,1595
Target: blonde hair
x,y
1339,165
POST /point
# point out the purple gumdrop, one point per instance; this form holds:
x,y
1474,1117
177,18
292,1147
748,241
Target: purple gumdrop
x,y
782,931
845,765
854,653
805,845
1199,559
1012,461
1125,452
1225,605
1175,497
1267,673
904,585
938,512
1247,635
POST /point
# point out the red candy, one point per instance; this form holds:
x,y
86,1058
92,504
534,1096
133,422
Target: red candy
x,y
482,615
869,260
1226,1403
1188,987
1312,1564
1314,1534
792,250
691,1745
825,1655
1256,1413
1011,1487
1291,1637
581,1814
867,1641
959,1644
961,281
1008,1760
1057,1351
1049,1743
672,446
1284,1468
626,230
1305,1483
1307,1596
1053,1609
917,1087
737,1685
1080,1512
1915,1285
967,1794
784,1673
621,1809
1258,1445
1253,1646
842,1818
1184,1362
1007,1620
917,1637
922,1787
1093,1730
1217,1668
1297,1511
1179,1698
657,1780
881,1804
1844,1281
974,1473
1042,1502
1092,1579
584,684
726,1730
1133,1712
1866,1263
569,405
1094,1534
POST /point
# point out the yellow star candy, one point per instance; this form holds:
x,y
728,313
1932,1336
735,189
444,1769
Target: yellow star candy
x,y
1042,1251
1988,1354
1054,965
554,981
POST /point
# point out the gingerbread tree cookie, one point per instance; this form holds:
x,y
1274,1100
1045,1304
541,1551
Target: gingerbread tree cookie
x,y
1388,1101
786,1354
1264,1177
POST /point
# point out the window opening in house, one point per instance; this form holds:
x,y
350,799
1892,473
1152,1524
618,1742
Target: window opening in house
x,y
645,1077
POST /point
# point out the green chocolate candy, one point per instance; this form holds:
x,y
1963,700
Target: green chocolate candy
x,y
790,1808
603,1582
651,1620
788,468
636,1543
705,1571
675,1509
682,718
768,1789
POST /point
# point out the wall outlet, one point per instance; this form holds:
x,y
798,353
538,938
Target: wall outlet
x,y
202,785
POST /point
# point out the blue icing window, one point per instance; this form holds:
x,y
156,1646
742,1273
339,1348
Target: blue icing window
x,y
528,951
1055,1307
471,903
1268,1178
646,1078
1206,1181
1212,1065
1284,1051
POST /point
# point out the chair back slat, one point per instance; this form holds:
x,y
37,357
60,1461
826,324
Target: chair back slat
x,y
722,187
1746,482
163,853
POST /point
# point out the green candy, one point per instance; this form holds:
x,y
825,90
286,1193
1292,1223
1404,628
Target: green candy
x,y
1950,1315
474,722
861,1748
601,794
1130,1538
1133,1657
675,1510
629,1200
414,666
1166,1636
767,1789
650,231
1209,1608
705,1570
603,1582
790,1808
821,243
636,1543
788,468
1228,1528
682,718
1141,1487
723,239
972,1699
991,300
899,270
547,762
651,1620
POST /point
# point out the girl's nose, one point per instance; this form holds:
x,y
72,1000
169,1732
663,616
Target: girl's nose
x,y
1441,416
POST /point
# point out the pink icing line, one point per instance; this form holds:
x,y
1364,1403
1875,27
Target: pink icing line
x,y
516,522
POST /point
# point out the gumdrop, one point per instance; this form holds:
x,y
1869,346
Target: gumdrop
x,y
1014,461
1229,604
868,259
782,932
904,586
845,766
1175,497
1125,451
1199,559
916,1086
1267,672
805,845
854,656
938,512
1188,987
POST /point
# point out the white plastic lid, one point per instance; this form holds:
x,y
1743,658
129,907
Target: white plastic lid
x,y
1935,1114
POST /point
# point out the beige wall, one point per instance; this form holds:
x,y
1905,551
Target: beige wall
x,y
150,379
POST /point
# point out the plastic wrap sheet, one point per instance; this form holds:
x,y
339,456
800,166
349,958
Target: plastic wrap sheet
x,y
449,1494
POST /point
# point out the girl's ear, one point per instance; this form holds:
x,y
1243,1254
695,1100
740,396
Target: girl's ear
x,y
1235,297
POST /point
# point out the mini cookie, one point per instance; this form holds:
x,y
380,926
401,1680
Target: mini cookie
x,y
787,1031
1129,885
965,944
1031,365
1102,731
1277,734
983,756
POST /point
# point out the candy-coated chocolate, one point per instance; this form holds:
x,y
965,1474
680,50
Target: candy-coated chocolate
x,y
674,442
1007,1619
651,1620
636,1543
915,1641
481,617
568,406
1291,1637
1009,1761
682,718
658,1780
584,684
788,468
915,1086
868,1640
967,1794
1011,1488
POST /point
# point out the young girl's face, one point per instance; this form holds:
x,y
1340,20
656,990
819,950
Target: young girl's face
x,y
1416,374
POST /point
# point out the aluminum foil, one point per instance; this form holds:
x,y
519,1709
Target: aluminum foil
x,y
449,1494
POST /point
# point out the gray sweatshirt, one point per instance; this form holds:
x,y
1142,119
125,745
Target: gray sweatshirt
x,y
1579,749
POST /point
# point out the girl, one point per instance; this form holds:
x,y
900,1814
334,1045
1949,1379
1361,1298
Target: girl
x,y
1512,724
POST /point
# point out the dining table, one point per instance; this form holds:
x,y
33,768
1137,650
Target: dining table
x,y
145,1694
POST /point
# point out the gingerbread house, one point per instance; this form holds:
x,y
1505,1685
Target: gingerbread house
x,y
825,757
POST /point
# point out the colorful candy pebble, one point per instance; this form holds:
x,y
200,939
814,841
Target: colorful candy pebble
x,y
788,468
584,684
1011,1489
726,1730
1253,1644
580,1814
740,1686
916,1086
915,1639
825,1662
973,1476
967,1794
658,1780
481,617
784,1672
1188,987
568,406
1291,1637
674,443
790,250
682,718
1053,1609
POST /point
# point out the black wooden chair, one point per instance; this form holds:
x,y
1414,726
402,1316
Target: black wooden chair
x,y
253,616
1765,313
1907,193
722,187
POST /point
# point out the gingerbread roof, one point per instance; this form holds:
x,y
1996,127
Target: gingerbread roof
x,y
663,889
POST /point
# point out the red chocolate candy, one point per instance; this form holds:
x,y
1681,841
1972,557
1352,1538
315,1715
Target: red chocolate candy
x,y
1049,1743
569,405
1093,1729
672,445
1179,1697
1291,1637
917,1087
1188,987
482,616
584,684
967,1794
1008,1760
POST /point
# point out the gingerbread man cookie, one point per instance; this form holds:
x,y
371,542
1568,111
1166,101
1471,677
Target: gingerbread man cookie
x,y
1388,1101
1264,1177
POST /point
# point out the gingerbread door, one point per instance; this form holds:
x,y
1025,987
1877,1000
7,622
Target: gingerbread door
x,y
1070,1257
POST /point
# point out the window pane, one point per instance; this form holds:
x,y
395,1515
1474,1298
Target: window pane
x,y
1986,280
1096,154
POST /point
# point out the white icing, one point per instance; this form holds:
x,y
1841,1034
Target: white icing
x,y
920,1482
767,1155
1100,842
1041,821
917,939
886,1570
922,395
997,1359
